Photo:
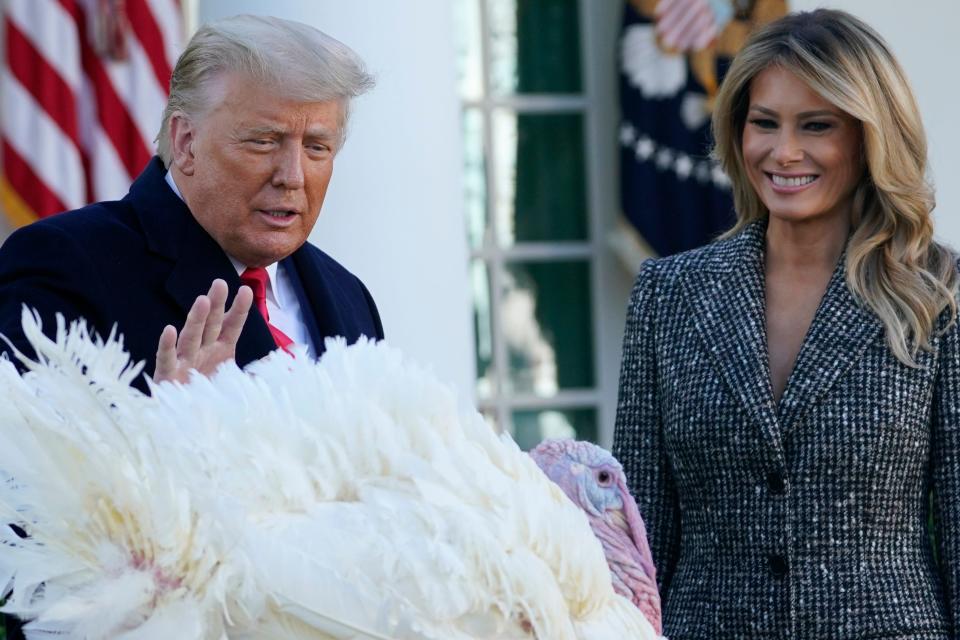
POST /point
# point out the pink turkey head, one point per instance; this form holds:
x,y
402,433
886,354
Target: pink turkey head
x,y
594,480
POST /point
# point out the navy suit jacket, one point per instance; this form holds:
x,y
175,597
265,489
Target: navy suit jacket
x,y
139,263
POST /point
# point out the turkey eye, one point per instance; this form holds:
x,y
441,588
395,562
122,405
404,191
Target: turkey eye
x,y
603,477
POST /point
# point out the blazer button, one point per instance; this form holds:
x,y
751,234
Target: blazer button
x,y
778,565
776,483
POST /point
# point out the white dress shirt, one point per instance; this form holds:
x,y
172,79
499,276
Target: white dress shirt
x,y
282,302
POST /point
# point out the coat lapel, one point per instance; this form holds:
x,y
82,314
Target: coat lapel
x,y
726,301
325,302
840,332
306,305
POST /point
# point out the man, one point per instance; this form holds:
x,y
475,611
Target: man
x,y
257,112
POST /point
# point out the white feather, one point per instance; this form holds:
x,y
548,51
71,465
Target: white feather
x,y
347,498
115,539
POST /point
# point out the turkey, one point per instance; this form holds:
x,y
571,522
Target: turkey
x,y
594,480
351,497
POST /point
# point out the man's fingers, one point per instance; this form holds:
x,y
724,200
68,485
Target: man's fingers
x,y
207,324
192,332
218,300
166,355
236,316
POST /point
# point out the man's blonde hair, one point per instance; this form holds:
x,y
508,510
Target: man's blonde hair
x,y
301,62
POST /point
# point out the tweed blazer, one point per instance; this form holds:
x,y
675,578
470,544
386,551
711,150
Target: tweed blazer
x,y
803,519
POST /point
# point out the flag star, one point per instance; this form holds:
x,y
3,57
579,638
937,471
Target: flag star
x,y
702,172
664,158
645,148
627,134
719,177
683,166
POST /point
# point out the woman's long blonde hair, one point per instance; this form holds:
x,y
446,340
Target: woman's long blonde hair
x,y
893,265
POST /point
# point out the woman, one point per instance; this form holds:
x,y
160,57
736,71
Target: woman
x,y
790,394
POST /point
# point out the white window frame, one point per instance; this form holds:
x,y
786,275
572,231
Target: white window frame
x,y
609,281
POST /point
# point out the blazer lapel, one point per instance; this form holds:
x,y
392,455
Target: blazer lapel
x,y
840,332
726,300
728,304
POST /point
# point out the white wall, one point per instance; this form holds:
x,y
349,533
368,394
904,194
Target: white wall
x,y
924,38
394,214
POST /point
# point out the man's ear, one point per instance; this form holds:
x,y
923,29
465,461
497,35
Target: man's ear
x,y
182,136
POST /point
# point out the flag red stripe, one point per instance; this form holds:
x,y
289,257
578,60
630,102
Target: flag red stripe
x,y
112,114
148,33
42,82
105,104
71,7
31,189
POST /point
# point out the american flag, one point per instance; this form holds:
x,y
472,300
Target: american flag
x,y
82,91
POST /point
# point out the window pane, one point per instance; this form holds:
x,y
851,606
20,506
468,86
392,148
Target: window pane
x,y
535,46
474,177
532,427
466,15
483,330
546,325
541,190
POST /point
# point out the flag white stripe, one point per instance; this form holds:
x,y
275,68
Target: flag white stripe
x,y
110,178
87,115
52,32
34,134
166,13
139,90
41,143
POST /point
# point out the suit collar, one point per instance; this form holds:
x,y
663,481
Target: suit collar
x,y
308,297
329,304
164,216
841,331
727,301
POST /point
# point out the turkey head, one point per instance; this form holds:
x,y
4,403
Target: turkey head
x,y
593,479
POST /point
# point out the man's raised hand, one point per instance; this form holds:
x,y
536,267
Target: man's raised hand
x,y
208,338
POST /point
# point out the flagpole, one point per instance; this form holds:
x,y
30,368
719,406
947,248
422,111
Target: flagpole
x,y
191,16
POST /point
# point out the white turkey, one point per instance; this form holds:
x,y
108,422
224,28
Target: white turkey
x,y
346,498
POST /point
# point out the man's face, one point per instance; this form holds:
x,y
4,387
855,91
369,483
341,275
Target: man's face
x,y
254,168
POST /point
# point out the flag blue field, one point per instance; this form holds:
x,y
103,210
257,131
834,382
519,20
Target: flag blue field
x,y
672,193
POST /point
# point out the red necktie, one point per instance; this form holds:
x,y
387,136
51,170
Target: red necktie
x,y
256,278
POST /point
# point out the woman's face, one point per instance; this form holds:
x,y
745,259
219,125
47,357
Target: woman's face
x,y
802,154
